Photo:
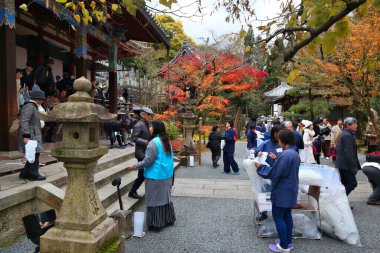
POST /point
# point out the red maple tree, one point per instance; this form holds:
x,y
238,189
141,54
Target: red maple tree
x,y
209,78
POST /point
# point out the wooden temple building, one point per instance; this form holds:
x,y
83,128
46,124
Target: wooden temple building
x,y
47,30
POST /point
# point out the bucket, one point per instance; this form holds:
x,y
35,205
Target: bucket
x,y
191,161
138,224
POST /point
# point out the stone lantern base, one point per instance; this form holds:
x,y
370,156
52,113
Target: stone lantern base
x,y
59,240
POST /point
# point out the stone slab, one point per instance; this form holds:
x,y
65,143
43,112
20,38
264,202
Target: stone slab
x,y
232,194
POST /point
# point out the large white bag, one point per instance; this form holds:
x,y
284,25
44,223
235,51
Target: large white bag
x,y
30,150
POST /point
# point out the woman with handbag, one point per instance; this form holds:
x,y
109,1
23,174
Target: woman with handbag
x,y
214,142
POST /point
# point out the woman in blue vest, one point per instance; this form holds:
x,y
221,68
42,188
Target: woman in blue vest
x,y
158,169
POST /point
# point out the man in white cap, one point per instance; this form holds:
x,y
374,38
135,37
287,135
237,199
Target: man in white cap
x,y
140,136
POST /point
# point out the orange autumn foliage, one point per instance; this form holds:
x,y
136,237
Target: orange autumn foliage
x,y
351,73
210,77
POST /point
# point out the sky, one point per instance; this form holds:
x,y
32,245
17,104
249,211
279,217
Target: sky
x,y
199,28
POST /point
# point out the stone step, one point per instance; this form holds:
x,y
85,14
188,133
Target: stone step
x,y
129,203
107,192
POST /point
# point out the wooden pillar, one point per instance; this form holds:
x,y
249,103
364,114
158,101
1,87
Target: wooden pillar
x,y
81,52
93,72
72,53
112,77
8,89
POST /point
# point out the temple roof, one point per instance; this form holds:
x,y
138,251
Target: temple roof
x,y
278,92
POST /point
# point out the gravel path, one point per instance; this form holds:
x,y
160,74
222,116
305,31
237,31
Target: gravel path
x,y
226,225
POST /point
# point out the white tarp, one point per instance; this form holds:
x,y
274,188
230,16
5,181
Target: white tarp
x,y
336,215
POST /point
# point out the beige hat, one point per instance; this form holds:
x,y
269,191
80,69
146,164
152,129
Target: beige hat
x,y
306,123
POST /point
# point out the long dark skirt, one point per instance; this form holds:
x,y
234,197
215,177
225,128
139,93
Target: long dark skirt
x,y
160,209
160,216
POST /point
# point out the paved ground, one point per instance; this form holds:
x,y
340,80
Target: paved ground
x,y
217,216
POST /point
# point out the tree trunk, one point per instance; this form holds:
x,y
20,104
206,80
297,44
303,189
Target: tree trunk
x,y
311,105
371,115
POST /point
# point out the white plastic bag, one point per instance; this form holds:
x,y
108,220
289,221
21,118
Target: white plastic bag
x,y
337,218
30,150
305,226
222,144
262,159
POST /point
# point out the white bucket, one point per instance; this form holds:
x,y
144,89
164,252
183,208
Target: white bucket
x,y
138,224
191,161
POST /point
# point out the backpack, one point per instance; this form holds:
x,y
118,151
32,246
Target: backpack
x,y
14,129
236,135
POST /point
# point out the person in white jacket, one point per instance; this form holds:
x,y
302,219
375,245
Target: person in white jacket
x,y
308,139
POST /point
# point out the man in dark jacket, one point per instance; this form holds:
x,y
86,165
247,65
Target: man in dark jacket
x,y
140,136
30,129
298,137
347,155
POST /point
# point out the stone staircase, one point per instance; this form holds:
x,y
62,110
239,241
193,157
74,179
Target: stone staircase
x,y
19,198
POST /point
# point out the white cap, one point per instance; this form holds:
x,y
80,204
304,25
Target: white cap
x,y
306,123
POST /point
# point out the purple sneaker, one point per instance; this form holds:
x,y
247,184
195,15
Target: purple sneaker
x,y
277,248
290,246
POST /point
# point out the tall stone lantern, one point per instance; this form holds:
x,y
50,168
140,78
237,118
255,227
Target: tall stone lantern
x,y
189,126
82,224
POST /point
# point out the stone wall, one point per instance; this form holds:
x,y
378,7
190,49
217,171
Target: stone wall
x,y
11,218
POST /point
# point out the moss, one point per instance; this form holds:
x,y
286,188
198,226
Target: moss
x,y
7,244
110,246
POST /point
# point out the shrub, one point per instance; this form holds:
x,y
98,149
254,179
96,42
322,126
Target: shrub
x,y
171,131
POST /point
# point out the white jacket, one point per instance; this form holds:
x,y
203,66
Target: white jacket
x,y
307,137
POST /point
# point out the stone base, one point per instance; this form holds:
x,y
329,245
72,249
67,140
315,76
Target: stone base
x,y
10,155
58,240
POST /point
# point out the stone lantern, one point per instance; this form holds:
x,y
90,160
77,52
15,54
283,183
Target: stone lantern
x,y
188,124
82,224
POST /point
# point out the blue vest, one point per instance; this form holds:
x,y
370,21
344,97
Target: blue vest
x,y
163,166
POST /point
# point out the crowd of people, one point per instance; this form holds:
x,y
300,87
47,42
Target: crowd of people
x,y
287,145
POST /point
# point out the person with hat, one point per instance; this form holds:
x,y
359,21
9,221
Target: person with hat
x,y
30,129
308,140
140,136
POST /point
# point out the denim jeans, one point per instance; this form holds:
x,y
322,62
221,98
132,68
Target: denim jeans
x,y
284,224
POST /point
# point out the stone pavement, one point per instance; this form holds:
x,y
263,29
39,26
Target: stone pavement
x,y
215,214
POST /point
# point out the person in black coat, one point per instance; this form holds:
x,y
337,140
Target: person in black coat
x,y
215,139
318,142
347,155
140,136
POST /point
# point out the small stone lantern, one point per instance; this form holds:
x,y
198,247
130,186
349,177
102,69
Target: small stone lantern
x,y
82,224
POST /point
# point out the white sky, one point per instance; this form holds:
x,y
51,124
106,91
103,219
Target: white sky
x,y
200,28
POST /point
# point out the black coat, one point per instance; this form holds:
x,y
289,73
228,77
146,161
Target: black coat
x,y
215,139
140,136
347,152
